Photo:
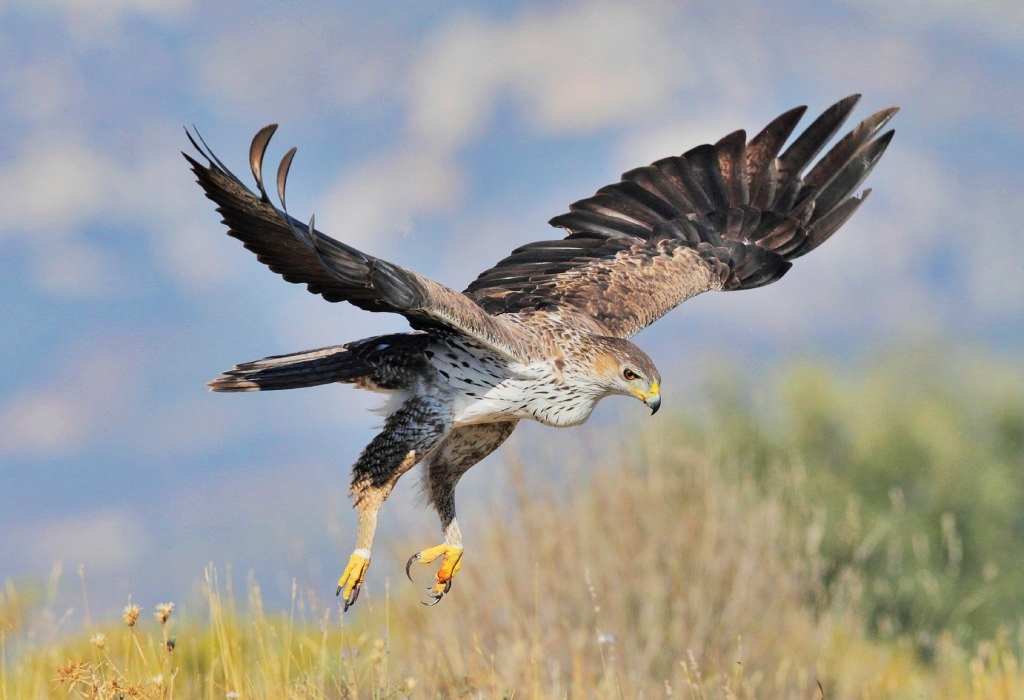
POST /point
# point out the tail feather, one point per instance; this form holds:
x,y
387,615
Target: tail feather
x,y
293,371
384,362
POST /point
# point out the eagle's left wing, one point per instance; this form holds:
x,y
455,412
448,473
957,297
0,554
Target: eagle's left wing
x,y
724,216
336,271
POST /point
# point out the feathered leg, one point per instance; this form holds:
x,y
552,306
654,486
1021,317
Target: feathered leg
x,y
409,434
461,449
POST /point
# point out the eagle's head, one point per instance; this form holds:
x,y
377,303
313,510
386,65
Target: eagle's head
x,y
623,368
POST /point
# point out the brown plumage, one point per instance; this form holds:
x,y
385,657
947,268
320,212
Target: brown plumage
x,y
544,333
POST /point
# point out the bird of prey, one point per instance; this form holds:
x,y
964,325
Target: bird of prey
x,y
544,334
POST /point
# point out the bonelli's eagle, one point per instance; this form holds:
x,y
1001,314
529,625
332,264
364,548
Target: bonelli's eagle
x,y
543,334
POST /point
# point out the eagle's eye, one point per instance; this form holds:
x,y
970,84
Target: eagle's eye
x,y
629,374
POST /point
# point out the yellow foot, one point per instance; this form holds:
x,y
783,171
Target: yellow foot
x,y
352,578
449,567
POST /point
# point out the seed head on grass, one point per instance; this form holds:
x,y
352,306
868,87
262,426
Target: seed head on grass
x,y
163,611
72,672
98,640
130,614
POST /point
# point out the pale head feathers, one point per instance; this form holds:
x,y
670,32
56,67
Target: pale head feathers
x,y
621,367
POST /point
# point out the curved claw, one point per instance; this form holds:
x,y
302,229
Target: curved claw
x,y
350,600
452,560
436,595
408,565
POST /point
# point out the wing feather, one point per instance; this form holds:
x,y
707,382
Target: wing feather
x,y
732,166
726,216
762,171
330,268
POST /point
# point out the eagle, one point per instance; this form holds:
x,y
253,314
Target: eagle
x,y
544,334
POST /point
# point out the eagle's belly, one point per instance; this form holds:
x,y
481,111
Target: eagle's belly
x,y
485,388
550,403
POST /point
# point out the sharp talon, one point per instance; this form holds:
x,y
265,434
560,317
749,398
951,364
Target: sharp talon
x,y
408,565
350,603
452,557
352,578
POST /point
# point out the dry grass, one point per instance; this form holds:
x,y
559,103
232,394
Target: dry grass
x,y
657,575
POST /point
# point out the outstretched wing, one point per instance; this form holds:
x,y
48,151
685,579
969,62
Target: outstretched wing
x,y
727,216
335,271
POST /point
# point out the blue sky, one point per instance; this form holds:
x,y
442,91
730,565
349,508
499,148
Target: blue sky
x,y
439,136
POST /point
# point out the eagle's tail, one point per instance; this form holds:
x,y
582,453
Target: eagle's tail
x,y
383,362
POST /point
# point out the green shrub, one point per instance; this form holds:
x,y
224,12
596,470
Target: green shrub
x,y
914,463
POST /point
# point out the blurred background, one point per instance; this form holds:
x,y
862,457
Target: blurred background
x,y
440,136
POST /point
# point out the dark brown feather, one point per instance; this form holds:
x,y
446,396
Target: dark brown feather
x,y
744,209
762,150
330,268
724,216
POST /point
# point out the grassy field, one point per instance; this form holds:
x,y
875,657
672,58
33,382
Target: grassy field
x,y
675,571
680,580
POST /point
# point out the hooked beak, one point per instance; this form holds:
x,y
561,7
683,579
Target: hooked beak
x,y
654,403
652,399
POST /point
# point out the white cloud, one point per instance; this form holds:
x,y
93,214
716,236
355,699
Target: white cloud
x,y
455,83
62,185
1000,20
72,269
707,124
193,253
46,422
596,65
379,198
44,90
161,195
862,58
926,209
294,68
101,23
186,426
88,392
102,540
993,276
307,321
58,182
574,69
59,185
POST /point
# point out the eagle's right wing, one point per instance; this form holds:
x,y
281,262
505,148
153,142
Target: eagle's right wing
x,y
731,215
